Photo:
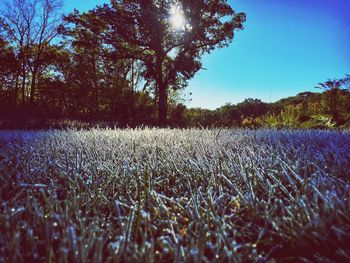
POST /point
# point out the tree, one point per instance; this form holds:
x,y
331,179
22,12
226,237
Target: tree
x,y
304,113
252,108
168,37
8,75
346,82
332,86
8,64
108,82
30,26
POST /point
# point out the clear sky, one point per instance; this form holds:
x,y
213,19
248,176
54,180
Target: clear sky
x,y
286,47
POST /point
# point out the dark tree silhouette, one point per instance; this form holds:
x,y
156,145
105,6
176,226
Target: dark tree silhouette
x,y
332,86
30,25
8,63
8,73
108,82
168,37
346,81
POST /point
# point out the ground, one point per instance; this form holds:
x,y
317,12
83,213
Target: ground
x,y
161,195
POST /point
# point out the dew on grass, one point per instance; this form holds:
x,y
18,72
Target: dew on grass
x,y
117,243
186,186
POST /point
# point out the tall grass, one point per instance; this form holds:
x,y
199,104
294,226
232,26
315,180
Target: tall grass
x,y
161,195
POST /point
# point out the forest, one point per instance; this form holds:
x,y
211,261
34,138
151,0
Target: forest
x,y
119,62
118,65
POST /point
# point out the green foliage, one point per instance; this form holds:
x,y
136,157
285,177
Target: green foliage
x,y
306,110
332,87
8,63
198,117
170,56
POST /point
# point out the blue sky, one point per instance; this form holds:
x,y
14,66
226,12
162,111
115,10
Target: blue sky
x,y
286,47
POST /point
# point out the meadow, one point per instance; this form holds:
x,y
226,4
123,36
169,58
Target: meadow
x,y
162,195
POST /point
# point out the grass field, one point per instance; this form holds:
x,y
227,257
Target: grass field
x,y
175,195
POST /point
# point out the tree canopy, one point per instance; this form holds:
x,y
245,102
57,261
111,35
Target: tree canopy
x,y
170,54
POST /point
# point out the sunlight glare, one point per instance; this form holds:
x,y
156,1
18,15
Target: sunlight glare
x,y
177,18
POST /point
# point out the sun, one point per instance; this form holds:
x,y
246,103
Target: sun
x,y
177,18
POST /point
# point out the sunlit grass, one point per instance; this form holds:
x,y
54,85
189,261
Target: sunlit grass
x,y
174,195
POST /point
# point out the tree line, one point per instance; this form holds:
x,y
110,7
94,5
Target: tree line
x,y
123,62
126,64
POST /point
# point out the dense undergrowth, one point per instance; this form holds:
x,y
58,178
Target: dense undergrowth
x,y
174,195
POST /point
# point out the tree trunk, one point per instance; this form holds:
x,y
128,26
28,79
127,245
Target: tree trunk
x,y
96,106
23,84
33,86
16,91
162,105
